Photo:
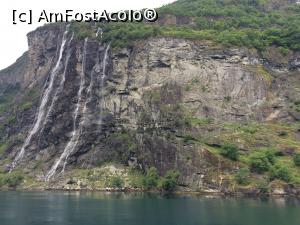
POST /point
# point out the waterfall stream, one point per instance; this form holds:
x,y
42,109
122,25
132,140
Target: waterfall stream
x,y
76,129
99,31
104,64
42,108
61,85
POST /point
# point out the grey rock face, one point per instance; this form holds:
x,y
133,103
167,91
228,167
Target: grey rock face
x,y
150,85
12,76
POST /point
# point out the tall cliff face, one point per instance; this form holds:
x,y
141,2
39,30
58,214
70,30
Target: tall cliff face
x,y
161,102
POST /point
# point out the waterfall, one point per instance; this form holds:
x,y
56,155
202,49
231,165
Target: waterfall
x,y
41,111
76,130
99,31
103,76
61,84
104,64
78,125
90,87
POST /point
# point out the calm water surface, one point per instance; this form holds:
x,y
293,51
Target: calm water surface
x,y
61,208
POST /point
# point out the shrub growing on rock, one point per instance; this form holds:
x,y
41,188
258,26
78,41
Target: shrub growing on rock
x,y
242,176
262,186
281,172
116,182
270,154
261,161
297,159
11,180
230,151
169,181
151,179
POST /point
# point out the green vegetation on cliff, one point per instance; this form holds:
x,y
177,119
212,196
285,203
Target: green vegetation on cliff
x,y
297,159
174,126
167,183
117,176
267,151
242,176
11,180
230,151
250,23
121,34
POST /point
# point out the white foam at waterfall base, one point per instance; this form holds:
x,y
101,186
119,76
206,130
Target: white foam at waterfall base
x,y
44,101
76,130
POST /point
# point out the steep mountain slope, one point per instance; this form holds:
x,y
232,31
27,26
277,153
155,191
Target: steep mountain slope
x,y
75,102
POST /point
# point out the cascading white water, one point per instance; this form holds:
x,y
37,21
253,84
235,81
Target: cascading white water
x,y
104,64
103,76
99,31
44,101
61,85
89,91
78,106
76,130
76,133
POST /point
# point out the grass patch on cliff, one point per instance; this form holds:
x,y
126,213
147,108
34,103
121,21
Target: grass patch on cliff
x,y
194,121
260,71
25,106
253,135
268,149
11,180
111,175
136,178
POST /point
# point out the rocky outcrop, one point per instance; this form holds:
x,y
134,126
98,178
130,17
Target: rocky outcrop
x,y
123,105
13,76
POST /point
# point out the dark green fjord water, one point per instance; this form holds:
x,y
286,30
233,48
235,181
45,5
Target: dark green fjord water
x,y
61,208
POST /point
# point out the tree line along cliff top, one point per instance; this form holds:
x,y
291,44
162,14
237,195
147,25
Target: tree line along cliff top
x,y
243,23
